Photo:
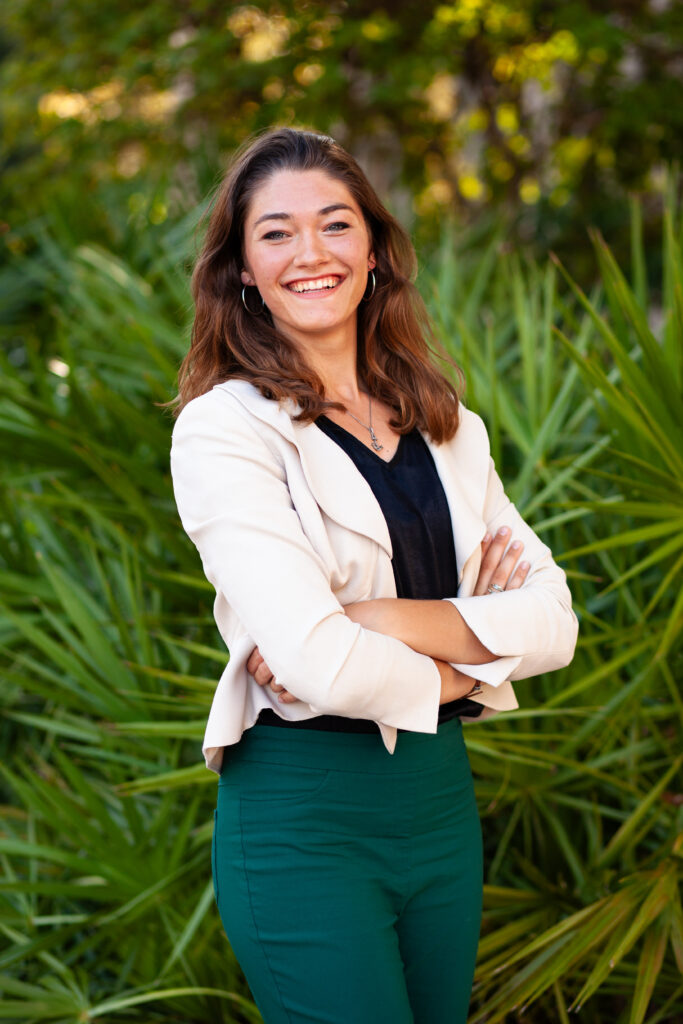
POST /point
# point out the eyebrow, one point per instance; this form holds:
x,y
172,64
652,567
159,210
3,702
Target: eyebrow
x,y
321,213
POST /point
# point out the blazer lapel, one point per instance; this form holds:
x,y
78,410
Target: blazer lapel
x,y
346,497
337,486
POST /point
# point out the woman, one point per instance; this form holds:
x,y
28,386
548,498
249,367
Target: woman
x,y
368,583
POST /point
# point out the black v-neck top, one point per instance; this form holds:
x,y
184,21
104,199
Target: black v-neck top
x,y
410,493
412,499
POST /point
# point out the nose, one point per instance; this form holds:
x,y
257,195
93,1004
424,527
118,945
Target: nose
x,y
310,249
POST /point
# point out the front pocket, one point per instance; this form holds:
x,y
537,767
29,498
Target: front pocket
x,y
279,784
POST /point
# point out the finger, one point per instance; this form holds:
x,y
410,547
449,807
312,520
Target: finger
x,y
506,565
491,560
253,661
485,545
287,698
276,687
518,576
263,675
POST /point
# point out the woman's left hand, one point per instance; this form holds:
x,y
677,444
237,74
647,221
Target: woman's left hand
x,y
257,668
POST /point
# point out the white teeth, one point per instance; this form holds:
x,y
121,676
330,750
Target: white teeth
x,y
309,286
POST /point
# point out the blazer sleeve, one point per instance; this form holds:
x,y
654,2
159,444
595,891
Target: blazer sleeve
x,y
234,503
533,629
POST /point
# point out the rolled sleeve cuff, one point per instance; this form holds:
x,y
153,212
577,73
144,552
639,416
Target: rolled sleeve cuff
x,y
491,672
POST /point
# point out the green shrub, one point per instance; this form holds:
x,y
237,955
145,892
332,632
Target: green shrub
x,y
110,654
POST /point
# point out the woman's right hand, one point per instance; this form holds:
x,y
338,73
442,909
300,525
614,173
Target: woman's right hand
x,y
495,568
498,568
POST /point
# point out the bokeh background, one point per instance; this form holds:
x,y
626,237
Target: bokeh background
x,y
533,151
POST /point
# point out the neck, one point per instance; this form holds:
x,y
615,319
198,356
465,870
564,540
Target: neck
x,y
334,361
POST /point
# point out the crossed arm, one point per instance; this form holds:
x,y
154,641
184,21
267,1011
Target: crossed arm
x,y
435,628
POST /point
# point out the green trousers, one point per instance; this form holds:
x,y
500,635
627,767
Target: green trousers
x,y
349,880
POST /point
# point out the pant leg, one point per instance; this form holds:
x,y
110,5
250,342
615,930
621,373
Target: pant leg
x,y
349,880
309,912
439,924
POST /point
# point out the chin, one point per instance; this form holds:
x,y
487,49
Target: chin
x,y
314,323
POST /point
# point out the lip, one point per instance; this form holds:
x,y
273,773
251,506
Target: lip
x,y
314,291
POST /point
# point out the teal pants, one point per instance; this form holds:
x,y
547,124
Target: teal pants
x,y
349,880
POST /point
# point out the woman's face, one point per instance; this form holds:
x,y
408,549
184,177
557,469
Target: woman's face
x,y
307,250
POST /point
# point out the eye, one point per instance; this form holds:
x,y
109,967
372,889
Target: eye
x,y
271,234
337,224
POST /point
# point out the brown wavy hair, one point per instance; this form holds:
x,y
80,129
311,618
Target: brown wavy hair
x,y
396,341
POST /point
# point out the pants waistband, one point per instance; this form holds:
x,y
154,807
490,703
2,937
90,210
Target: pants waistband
x,y
345,750
324,723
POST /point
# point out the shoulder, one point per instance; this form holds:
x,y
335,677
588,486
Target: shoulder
x,y
471,438
466,457
228,406
211,426
232,419
471,423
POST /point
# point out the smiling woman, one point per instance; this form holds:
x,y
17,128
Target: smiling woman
x,y
368,580
253,321
314,256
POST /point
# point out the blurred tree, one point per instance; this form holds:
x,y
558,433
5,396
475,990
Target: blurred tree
x,y
548,111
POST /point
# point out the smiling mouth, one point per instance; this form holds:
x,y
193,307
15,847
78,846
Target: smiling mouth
x,y
316,286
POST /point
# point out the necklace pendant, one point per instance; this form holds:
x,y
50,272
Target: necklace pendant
x,y
374,442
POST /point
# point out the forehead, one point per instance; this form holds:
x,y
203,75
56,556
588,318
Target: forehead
x,y
298,193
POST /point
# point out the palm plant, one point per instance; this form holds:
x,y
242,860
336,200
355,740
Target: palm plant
x,y
608,461
110,655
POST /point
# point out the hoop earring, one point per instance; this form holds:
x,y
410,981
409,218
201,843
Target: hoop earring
x,y
251,311
366,298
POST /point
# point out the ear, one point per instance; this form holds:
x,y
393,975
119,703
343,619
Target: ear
x,y
246,278
372,262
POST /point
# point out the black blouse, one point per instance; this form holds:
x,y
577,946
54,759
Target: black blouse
x,y
411,496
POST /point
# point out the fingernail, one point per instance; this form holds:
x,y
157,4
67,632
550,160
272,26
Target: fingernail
x,y
524,566
503,531
487,538
515,544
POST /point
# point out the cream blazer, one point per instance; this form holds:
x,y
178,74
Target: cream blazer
x,y
289,531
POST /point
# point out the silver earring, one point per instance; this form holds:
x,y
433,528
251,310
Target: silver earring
x,y
367,298
251,311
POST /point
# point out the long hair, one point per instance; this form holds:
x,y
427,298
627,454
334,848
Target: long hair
x,y
394,334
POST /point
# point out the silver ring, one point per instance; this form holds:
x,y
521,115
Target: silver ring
x,y
495,586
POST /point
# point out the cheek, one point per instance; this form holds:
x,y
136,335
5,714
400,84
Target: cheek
x,y
267,268
354,252
360,263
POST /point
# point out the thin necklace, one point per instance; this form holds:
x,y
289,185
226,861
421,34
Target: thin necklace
x,y
376,444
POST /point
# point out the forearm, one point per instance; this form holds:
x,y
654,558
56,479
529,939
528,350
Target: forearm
x,y
435,628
